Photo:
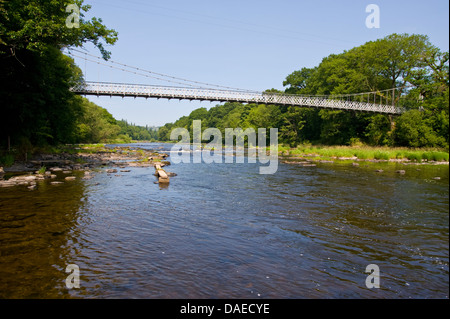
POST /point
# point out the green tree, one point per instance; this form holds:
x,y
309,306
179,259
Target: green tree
x,y
37,77
391,62
96,124
412,130
378,131
34,25
263,116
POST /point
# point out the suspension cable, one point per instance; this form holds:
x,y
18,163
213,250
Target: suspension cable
x,y
158,76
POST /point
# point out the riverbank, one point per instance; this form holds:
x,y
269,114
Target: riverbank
x,y
86,157
67,163
365,153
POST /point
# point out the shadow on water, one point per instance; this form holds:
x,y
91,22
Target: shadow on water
x,y
36,227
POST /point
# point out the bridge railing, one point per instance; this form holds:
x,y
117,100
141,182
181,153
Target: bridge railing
x,y
149,91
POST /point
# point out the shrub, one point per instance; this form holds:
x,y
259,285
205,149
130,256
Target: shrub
x,y
440,156
6,160
400,155
414,156
427,156
356,142
362,154
381,155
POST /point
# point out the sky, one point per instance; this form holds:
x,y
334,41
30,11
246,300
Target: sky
x,y
247,44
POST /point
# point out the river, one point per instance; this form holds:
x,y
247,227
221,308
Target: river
x,y
225,231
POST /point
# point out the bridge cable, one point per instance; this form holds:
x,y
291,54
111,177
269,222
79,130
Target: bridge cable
x,y
161,74
133,72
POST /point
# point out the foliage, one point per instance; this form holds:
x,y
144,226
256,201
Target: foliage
x,y
413,130
365,152
34,25
391,62
136,132
36,76
96,124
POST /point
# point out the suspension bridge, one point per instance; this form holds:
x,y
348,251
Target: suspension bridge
x,y
383,102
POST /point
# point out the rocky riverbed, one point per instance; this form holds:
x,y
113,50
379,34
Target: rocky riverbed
x,y
81,163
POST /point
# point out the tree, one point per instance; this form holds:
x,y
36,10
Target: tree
x,y
391,62
263,116
293,123
378,130
297,80
34,25
412,131
96,124
36,76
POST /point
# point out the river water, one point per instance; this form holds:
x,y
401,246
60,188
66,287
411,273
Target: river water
x,y
225,231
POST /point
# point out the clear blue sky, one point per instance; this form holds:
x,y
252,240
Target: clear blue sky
x,y
251,44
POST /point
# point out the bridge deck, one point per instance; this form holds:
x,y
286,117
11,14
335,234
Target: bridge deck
x,y
148,91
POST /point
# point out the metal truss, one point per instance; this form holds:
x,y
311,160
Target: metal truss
x,y
219,95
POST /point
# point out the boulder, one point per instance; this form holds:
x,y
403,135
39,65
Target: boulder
x,y
23,179
7,184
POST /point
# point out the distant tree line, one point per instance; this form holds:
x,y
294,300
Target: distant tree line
x,y
136,132
396,61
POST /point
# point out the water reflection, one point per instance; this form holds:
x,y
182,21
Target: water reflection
x,y
35,229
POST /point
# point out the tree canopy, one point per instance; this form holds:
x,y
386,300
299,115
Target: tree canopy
x,y
410,63
36,102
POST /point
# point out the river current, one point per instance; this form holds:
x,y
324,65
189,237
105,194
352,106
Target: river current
x,y
226,231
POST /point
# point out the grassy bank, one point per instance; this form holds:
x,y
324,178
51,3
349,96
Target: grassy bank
x,y
360,152
7,159
366,153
